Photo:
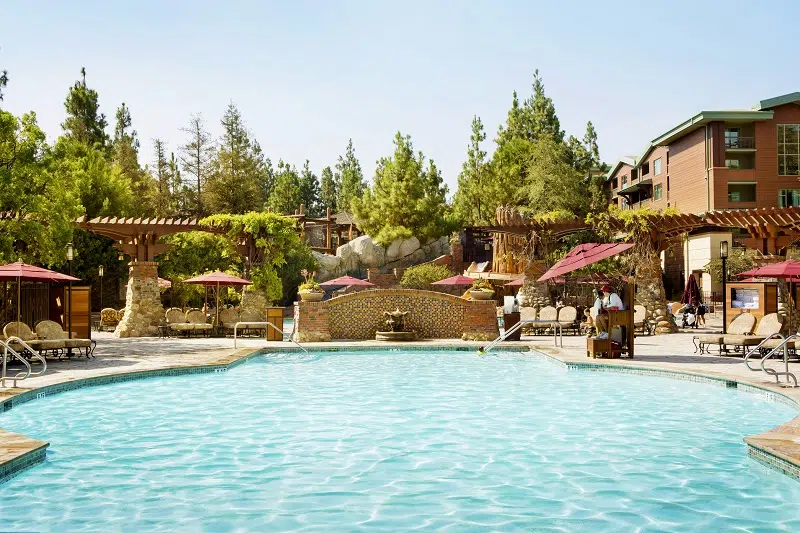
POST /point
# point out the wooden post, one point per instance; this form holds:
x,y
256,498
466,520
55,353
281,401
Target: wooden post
x,y
302,209
328,230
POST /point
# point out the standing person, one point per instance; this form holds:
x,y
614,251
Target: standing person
x,y
609,302
701,315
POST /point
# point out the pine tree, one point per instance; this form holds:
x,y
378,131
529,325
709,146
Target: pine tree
x,y
162,177
3,82
406,199
286,195
309,191
125,155
233,185
265,179
469,201
180,197
350,177
84,122
329,190
196,155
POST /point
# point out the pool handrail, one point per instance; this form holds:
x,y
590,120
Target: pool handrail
x,y
20,376
557,332
268,324
770,353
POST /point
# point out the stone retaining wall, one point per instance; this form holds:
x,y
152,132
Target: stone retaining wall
x,y
359,315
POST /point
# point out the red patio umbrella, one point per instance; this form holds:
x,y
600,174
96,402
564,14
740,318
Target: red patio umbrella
x,y
584,255
217,279
691,292
20,272
164,283
519,282
455,280
787,270
347,281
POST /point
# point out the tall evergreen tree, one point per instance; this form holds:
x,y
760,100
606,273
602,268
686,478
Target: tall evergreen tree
x,y
233,185
309,191
329,190
196,156
125,155
469,202
350,178
180,197
84,121
286,194
163,182
406,199
265,174
3,82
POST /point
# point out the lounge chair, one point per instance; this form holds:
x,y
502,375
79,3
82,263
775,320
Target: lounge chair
x,y
51,331
228,319
21,330
640,320
743,324
246,315
768,325
176,320
568,318
197,319
108,318
548,315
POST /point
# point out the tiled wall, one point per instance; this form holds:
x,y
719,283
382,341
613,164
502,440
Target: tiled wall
x,y
432,315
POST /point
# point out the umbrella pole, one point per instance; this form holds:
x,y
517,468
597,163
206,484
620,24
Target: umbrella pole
x,y
206,300
216,319
19,292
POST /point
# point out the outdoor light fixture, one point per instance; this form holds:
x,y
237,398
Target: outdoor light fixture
x,y
723,254
70,255
100,273
69,251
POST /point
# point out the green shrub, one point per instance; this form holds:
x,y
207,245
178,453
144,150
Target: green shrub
x,y
421,276
482,285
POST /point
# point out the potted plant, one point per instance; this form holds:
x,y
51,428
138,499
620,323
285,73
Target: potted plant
x,y
481,290
310,290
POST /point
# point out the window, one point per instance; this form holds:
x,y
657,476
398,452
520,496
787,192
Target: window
x,y
732,163
657,166
788,149
732,138
624,180
645,169
741,191
789,198
657,192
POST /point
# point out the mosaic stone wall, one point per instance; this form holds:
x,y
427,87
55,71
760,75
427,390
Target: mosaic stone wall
x,y
432,315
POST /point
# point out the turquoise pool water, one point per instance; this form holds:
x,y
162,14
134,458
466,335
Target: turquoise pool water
x,y
399,441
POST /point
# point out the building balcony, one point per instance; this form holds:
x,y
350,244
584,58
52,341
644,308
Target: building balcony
x,y
740,143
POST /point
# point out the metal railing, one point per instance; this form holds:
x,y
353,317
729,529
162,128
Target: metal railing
x,y
770,353
20,376
558,333
268,324
740,143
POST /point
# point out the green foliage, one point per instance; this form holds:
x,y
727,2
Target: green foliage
x,y
738,261
550,181
286,195
421,276
407,198
329,190
279,252
125,155
37,204
482,285
237,170
84,121
470,200
3,82
194,253
91,251
309,191
350,179
196,156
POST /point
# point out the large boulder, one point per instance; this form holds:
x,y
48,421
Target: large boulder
x,y
348,258
369,253
329,266
409,246
393,251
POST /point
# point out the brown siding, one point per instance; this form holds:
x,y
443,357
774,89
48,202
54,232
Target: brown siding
x,y
661,179
687,173
767,156
623,170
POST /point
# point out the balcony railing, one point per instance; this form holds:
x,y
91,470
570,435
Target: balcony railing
x,y
740,143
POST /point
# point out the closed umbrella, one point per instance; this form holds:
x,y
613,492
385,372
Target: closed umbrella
x,y
20,272
691,293
218,279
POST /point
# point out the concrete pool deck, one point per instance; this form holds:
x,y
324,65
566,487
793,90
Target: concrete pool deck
x,y
134,358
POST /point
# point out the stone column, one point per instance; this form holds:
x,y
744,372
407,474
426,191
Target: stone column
x,y
254,301
535,294
457,253
651,295
311,322
143,309
783,309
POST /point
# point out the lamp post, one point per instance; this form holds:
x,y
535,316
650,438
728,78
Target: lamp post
x,y
69,291
100,273
723,254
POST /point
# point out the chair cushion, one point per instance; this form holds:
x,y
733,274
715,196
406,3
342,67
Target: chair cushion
x,y
742,340
743,324
773,343
202,327
77,343
182,327
50,345
709,339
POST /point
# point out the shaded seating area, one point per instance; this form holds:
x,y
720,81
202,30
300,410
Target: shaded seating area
x,y
49,331
49,339
768,325
188,322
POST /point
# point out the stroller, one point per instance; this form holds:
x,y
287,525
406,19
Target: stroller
x,y
689,316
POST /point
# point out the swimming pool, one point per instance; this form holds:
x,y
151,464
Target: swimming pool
x,y
392,441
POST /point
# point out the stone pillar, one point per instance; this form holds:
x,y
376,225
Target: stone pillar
x,y
783,309
535,294
457,253
255,301
143,309
651,295
311,322
480,321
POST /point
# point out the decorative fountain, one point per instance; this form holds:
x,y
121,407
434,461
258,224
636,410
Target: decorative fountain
x,y
396,322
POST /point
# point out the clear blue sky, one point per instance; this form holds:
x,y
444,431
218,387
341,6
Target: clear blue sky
x,y
308,75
